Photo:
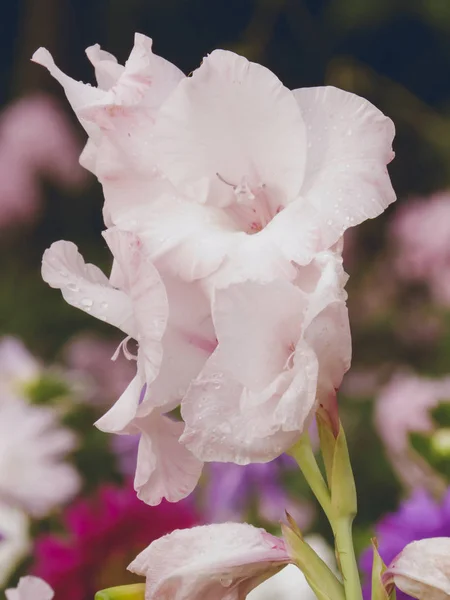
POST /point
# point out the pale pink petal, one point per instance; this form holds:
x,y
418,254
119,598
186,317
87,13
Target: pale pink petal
x,y
78,94
119,416
84,286
123,150
258,327
189,239
213,562
232,123
258,391
148,296
165,468
225,422
107,69
147,77
188,342
422,569
349,146
30,588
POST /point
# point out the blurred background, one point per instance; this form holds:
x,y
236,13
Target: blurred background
x,y
395,401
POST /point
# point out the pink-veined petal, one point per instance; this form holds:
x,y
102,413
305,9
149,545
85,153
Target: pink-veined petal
x,y
165,468
147,77
213,562
84,286
231,122
349,146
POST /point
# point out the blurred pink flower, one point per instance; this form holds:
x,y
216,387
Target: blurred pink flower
x,y
421,231
89,358
103,533
403,407
36,140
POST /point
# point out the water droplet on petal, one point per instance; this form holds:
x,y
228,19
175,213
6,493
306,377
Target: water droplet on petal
x,y
86,303
73,287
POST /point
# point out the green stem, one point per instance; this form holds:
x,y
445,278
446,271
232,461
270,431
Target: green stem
x,y
342,529
303,454
341,525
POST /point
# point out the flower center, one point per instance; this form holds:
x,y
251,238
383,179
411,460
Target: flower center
x,y
254,208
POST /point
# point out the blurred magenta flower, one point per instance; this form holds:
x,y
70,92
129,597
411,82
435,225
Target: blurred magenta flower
x,y
418,518
36,140
420,230
403,406
103,534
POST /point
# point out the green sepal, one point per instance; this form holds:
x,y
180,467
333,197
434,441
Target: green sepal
x,y
342,485
321,579
135,591
327,444
379,591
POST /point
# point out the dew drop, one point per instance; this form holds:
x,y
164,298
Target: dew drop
x,y
104,305
226,581
73,287
86,303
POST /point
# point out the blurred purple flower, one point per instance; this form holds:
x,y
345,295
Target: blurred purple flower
x,y
421,231
418,518
231,490
125,447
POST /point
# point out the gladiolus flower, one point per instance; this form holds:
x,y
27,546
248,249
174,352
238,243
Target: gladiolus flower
x,y
422,569
243,174
212,562
258,391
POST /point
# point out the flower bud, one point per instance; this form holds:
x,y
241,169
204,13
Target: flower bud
x,y
422,569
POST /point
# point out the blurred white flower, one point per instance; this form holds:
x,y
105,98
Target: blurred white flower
x,y
33,474
14,539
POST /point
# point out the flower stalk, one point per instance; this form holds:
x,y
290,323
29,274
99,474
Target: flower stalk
x,y
336,496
